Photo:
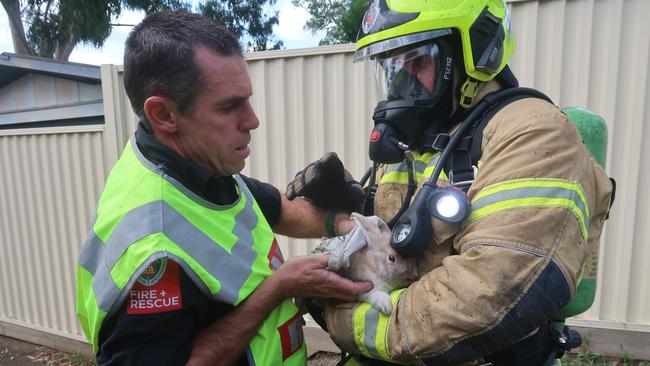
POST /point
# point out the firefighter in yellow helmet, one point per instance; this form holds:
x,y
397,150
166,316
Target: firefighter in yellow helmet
x,y
536,200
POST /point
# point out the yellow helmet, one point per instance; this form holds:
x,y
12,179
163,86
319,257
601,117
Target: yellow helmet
x,y
483,27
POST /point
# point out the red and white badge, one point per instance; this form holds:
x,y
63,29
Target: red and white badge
x,y
291,336
157,290
275,256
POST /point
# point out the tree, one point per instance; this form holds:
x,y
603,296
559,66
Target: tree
x,y
247,19
340,19
55,27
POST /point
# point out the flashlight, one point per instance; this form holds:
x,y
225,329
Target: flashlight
x,y
413,229
449,205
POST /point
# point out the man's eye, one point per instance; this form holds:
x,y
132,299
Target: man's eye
x,y
230,106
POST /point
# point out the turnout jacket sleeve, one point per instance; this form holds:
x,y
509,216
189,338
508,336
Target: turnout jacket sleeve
x,y
539,203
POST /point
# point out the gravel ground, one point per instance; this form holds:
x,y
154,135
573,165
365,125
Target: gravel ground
x,y
323,359
18,353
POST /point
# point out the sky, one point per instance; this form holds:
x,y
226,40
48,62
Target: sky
x,y
290,30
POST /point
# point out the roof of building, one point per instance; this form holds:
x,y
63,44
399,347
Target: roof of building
x,y
14,66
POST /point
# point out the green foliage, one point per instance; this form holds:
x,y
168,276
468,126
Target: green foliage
x,y
249,20
55,24
340,19
587,357
54,27
624,356
584,357
152,6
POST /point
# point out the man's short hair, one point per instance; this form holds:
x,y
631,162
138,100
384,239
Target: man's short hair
x,y
159,57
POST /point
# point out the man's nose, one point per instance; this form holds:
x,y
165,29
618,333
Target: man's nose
x,y
249,120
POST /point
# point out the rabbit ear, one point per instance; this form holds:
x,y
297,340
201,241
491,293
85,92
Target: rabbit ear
x,y
370,223
368,228
362,221
383,227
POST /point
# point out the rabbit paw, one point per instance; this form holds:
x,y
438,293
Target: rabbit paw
x,y
379,300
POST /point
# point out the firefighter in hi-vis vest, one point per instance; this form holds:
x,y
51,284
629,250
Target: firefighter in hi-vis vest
x,y
181,266
488,184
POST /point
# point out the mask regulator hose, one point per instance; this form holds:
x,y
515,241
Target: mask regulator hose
x,y
413,229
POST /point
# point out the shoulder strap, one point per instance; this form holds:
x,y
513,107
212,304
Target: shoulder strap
x,y
460,168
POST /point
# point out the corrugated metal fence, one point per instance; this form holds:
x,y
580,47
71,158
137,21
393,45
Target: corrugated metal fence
x,y
50,180
595,53
591,53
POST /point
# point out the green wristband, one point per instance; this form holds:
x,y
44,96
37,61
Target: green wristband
x,y
329,223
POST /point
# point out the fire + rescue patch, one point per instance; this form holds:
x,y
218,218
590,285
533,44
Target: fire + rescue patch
x,y
157,290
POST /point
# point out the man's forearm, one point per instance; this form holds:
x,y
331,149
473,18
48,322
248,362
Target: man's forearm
x,y
302,219
223,342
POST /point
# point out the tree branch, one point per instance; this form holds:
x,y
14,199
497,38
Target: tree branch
x,y
63,51
12,7
47,8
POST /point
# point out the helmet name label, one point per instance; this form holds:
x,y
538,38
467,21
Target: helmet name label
x,y
447,74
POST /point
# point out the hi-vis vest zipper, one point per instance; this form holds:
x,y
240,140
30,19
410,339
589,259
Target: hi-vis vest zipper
x,y
144,215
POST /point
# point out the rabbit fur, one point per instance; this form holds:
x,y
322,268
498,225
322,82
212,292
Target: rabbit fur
x,y
379,263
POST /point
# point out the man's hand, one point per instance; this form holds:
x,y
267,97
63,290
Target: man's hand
x,y
327,184
307,276
223,342
343,224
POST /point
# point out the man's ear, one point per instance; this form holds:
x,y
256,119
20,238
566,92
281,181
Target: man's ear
x,y
161,113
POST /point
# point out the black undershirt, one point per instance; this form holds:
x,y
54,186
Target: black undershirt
x,y
166,338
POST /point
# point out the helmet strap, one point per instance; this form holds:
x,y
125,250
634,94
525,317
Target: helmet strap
x,y
468,92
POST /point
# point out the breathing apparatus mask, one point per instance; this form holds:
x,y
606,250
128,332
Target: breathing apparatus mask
x,y
415,85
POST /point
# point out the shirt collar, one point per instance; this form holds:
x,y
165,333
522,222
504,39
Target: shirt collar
x,y
196,178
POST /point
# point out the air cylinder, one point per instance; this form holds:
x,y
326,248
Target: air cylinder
x,y
593,130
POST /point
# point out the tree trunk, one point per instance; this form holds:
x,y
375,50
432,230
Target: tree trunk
x,y
12,7
63,51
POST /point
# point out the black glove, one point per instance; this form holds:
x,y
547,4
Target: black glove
x,y
327,184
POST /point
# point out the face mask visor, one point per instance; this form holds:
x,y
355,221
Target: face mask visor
x,y
409,73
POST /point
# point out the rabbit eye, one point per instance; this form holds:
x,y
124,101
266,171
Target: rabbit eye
x,y
391,258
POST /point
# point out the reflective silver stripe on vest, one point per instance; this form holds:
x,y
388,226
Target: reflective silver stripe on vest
x,y
186,191
370,332
159,217
249,356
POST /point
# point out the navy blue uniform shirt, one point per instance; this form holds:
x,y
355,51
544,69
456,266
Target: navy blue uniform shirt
x,y
154,337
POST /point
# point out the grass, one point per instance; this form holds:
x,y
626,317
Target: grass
x,y
587,357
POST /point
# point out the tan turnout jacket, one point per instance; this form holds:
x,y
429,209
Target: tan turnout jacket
x,y
475,280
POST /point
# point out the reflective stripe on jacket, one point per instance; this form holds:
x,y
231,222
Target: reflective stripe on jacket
x,y
371,326
539,202
143,215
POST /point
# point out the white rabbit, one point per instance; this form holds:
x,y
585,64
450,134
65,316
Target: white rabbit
x,y
378,263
